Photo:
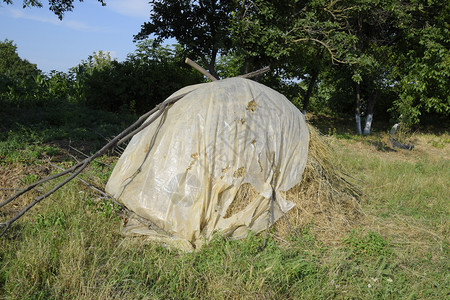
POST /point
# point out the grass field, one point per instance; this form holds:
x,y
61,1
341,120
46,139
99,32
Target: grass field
x,y
70,246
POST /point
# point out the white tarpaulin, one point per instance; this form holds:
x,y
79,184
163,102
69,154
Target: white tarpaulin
x,y
183,171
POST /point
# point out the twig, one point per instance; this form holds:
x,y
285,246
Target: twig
x,y
98,133
73,157
85,155
333,57
119,149
200,69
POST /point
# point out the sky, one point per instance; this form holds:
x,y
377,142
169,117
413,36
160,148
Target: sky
x,y
43,39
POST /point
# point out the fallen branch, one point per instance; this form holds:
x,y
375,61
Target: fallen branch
x,y
396,144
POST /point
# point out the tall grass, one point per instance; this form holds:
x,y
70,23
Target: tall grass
x,y
70,246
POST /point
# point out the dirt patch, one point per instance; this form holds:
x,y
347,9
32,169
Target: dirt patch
x,y
13,178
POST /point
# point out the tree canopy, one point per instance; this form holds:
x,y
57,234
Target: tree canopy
x,y
200,26
10,62
390,58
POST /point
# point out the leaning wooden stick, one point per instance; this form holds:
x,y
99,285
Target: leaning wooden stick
x,y
255,73
200,69
151,120
91,186
79,167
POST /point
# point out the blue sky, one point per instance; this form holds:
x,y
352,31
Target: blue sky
x,y
52,44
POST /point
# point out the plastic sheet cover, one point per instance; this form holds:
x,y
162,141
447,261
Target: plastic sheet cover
x,y
182,173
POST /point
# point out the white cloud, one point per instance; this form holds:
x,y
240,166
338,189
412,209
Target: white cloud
x,y
76,25
132,8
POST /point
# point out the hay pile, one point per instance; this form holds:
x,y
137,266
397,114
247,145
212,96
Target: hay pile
x,y
325,199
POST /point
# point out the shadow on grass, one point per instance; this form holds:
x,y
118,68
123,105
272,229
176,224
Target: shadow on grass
x,y
58,125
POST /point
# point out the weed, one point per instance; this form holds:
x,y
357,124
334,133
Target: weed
x,y
28,179
370,244
440,143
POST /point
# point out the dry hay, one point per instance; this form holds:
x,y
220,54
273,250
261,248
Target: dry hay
x,y
244,196
324,199
14,177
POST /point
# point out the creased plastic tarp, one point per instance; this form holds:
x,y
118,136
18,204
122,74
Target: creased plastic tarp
x,y
183,171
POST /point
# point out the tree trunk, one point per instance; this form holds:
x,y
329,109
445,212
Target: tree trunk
x,y
372,100
358,108
311,85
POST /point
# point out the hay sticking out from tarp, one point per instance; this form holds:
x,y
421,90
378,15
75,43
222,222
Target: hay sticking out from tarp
x,y
324,199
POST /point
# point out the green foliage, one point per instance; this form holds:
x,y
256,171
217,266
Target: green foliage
x,y
19,79
396,51
371,244
142,81
201,27
423,63
136,85
23,85
11,65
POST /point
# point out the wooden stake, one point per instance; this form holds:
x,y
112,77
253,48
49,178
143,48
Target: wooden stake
x,y
255,73
200,69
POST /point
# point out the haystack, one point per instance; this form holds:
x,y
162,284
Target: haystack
x,y
230,156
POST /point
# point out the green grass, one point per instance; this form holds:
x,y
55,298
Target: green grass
x,y
70,246
36,132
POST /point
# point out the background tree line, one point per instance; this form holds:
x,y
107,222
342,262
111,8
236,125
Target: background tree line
x,y
353,57
359,58
144,79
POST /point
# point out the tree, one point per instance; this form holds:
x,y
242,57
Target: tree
x,y
373,25
201,27
11,64
420,74
296,38
17,75
59,7
140,82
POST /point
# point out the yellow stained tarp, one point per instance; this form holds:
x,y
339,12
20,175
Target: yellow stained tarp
x,y
183,171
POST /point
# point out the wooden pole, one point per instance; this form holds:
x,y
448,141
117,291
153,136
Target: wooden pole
x,y
255,73
200,69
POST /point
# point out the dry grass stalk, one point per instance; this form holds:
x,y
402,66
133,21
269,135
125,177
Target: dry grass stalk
x,y
324,199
